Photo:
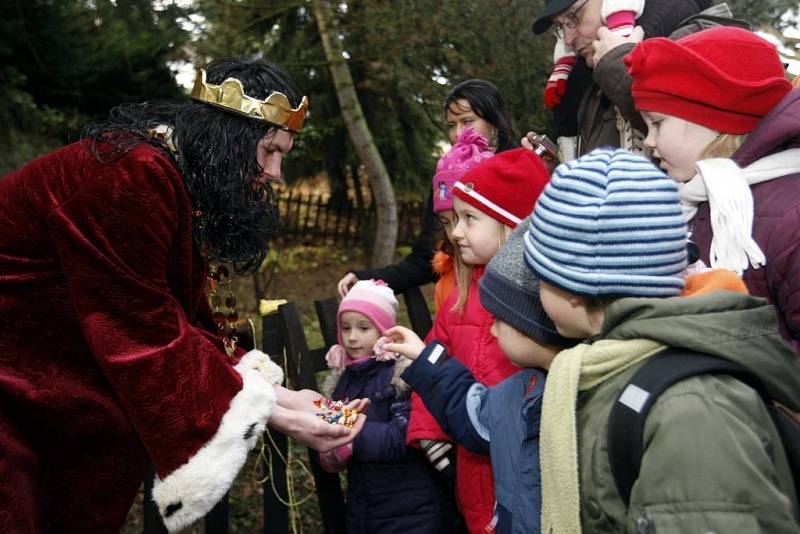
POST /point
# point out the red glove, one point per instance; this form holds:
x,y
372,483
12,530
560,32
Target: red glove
x,y
557,83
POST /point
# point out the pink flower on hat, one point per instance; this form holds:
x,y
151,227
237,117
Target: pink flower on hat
x,y
470,149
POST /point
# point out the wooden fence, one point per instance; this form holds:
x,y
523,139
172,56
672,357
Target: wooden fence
x,y
310,219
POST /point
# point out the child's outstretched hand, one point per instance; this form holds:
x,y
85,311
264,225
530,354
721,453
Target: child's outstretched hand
x,y
404,341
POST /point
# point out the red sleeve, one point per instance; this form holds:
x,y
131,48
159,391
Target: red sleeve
x,y
115,235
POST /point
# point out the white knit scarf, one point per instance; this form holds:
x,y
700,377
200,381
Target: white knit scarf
x,y
726,187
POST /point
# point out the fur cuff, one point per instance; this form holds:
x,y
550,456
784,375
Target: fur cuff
x,y
192,490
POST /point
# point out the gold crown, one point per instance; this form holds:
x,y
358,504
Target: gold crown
x,y
275,109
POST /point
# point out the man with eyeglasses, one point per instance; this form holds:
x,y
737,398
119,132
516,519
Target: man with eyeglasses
x,y
603,109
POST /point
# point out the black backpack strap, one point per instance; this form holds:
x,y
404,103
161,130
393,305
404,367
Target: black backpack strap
x,y
629,412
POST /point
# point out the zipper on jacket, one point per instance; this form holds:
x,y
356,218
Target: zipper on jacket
x,y
643,525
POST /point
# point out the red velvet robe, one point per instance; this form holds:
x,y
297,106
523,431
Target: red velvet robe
x,y
104,367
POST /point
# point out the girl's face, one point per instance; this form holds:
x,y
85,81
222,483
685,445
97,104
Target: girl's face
x,y
477,236
566,311
460,115
520,349
678,143
358,334
448,220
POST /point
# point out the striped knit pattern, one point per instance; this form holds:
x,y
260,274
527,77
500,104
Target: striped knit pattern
x,y
609,223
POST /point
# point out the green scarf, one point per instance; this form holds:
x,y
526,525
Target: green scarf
x,y
580,368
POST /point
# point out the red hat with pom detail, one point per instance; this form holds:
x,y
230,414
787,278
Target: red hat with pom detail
x,y
506,186
725,79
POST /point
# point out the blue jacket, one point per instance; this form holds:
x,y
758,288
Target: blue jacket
x,y
390,487
502,421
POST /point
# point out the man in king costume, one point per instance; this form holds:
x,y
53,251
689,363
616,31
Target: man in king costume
x,y
110,356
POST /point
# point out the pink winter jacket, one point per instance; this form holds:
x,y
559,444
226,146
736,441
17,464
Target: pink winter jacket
x,y
469,339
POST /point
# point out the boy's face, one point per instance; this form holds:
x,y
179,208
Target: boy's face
x,y
678,143
520,349
477,236
568,312
358,334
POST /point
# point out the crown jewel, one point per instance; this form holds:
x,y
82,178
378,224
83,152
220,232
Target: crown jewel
x,y
275,109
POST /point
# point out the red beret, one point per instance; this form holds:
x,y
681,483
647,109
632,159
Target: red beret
x,y
506,186
725,78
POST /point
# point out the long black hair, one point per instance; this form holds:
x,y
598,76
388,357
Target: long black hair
x,y
217,155
486,102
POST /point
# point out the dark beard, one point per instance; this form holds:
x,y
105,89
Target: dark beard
x,y
239,227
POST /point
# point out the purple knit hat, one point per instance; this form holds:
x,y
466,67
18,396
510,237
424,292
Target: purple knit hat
x,y
372,298
470,149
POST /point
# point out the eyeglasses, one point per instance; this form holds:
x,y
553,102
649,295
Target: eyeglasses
x,y
571,21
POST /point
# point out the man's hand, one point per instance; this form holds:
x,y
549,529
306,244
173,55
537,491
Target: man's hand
x,y
608,40
526,142
404,341
312,431
346,283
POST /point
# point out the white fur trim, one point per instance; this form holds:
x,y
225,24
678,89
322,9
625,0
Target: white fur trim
x,y
400,385
192,490
270,371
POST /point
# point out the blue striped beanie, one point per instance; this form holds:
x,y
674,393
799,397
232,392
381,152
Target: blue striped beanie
x,y
609,223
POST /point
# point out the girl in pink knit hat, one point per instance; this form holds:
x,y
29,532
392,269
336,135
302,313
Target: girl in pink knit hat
x,y
470,149
390,486
724,122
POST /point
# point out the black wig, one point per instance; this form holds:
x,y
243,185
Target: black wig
x,y
217,155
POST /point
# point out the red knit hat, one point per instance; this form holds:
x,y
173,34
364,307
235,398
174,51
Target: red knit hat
x,y
506,186
725,79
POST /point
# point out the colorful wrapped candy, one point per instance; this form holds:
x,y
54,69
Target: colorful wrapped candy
x,y
334,412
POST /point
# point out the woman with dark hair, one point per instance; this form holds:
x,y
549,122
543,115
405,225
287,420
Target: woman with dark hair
x,y
472,103
477,104
115,360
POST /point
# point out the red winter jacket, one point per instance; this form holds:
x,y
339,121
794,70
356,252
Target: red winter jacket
x,y
468,338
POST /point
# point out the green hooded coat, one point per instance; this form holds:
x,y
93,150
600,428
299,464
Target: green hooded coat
x,y
712,460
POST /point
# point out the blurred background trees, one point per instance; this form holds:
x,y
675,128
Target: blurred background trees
x,y
64,63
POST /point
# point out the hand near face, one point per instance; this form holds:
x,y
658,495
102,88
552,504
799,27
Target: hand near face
x,y
608,40
404,341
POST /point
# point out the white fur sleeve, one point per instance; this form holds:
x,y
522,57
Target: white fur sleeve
x,y
192,490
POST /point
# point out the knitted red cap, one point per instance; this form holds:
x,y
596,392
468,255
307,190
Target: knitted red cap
x,y
725,78
506,186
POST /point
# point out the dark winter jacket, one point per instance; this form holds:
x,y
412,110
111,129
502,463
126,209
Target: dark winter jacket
x,y
390,487
611,91
502,421
776,220
712,459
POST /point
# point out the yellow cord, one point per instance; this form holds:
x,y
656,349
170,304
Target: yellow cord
x,y
289,461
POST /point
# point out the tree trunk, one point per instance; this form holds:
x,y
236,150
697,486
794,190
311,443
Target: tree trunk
x,y
386,233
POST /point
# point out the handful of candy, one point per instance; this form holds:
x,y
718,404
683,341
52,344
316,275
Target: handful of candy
x,y
334,412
